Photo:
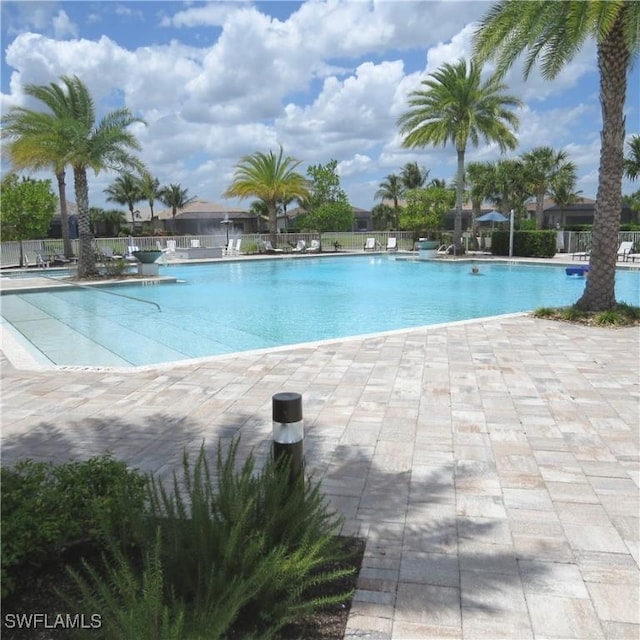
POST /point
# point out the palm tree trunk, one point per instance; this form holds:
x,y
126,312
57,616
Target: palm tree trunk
x,y
86,261
613,62
457,221
67,250
539,210
273,223
173,220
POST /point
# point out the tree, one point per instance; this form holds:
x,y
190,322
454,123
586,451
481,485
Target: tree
x,y
270,178
88,145
327,206
456,106
382,215
149,187
37,141
479,181
177,198
27,208
632,161
413,177
553,33
392,189
425,210
126,191
510,186
543,167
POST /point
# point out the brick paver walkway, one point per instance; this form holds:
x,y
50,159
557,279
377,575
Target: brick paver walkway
x,y
493,466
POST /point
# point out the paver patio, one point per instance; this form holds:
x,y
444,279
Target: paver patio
x,y
492,466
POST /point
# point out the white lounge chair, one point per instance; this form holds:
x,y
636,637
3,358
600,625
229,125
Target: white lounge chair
x,y
624,250
107,253
130,249
195,244
370,244
392,244
268,247
581,255
301,247
314,247
171,246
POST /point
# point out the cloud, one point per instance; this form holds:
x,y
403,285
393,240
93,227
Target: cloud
x,y
63,27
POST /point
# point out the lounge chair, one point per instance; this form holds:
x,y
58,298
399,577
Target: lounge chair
x,y
41,261
107,254
301,247
392,244
268,247
236,249
59,259
581,255
171,246
633,256
370,244
314,247
195,244
624,250
130,249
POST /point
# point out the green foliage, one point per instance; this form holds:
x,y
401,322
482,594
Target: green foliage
x,y
131,606
425,210
27,207
46,507
114,268
250,550
327,205
383,216
544,312
538,244
622,315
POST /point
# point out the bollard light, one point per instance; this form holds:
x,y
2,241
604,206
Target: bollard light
x,y
288,431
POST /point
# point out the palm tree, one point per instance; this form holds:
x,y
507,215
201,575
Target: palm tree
x,y
413,177
456,106
392,189
543,166
269,178
149,187
479,180
177,198
632,161
37,141
563,194
553,33
87,145
125,190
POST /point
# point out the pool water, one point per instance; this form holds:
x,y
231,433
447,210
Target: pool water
x,y
227,307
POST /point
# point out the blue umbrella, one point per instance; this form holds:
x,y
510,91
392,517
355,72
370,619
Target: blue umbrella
x,y
492,216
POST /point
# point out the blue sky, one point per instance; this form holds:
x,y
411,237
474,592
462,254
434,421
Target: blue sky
x,y
215,81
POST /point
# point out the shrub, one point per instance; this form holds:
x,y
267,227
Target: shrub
x,y
534,244
47,507
247,549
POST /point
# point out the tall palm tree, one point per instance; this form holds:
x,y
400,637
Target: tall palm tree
x,y
543,166
88,145
456,106
413,176
510,188
632,161
553,33
479,182
563,194
125,190
177,198
37,141
149,187
271,178
392,189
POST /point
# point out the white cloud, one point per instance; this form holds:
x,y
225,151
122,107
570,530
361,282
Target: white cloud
x,y
63,26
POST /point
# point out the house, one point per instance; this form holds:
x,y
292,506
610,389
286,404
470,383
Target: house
x,y
362,220
207,218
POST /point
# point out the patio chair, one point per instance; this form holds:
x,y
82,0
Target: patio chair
x,y
41,261
301,247
268,247
370,244
624,250
171,246
195,243
581,255
107,254
392,244
314,247
130,249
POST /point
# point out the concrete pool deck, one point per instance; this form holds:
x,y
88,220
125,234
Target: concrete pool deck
x,y
493,466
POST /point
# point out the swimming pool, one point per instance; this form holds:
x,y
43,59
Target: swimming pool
x,y
226,307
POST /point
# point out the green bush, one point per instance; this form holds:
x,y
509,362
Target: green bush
x,y
532,244
242,549
47,507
